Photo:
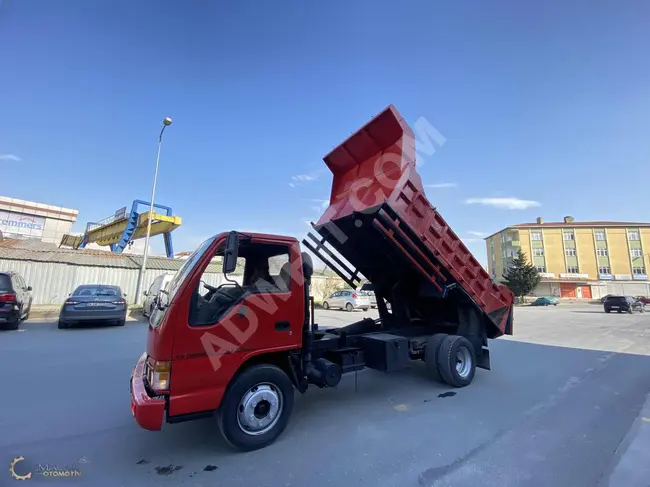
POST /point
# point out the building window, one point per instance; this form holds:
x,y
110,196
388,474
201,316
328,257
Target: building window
x,y
572,269
636,252
503,238
540,268
568,236
503,254
508,238
602,252
570,252
634,235
599,235
638,270
537,252
604,270
536,236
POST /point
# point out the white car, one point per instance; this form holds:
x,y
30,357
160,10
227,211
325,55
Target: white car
x,y
348,300
369,291
158,283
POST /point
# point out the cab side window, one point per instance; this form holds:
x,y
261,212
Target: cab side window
x,y
262,268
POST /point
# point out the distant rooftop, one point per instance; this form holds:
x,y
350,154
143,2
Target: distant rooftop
x,y
569,222
37,251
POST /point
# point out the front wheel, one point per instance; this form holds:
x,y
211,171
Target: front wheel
x,y
256,407
326,305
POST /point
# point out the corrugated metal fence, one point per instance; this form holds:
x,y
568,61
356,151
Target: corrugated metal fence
x,y
52,282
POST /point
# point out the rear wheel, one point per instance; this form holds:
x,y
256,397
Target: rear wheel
x,y
121,322
349,307
457,361
431,349
63,325
256,407
607,310
326,305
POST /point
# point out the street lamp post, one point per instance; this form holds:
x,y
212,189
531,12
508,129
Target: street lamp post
x,y
166,122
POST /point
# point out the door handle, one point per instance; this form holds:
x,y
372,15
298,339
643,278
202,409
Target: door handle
x,y
282,326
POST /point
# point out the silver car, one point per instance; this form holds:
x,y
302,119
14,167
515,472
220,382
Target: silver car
x,y
347,300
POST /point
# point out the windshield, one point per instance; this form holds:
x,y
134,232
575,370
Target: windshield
x,y
174,285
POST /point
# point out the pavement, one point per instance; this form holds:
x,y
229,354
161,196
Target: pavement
x,y
564,405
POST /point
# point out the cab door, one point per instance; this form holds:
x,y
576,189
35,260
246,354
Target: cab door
x,y
218,336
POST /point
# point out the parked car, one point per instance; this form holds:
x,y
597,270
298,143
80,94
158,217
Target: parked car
x,y
545,301
369,290
348,300
623,303
15,300
644,299
158,283
94,303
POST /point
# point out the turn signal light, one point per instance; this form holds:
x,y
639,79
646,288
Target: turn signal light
x,y
159,374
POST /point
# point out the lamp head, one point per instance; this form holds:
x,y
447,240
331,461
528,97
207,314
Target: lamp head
x,y
167,121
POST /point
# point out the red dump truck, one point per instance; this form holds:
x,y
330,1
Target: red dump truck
x,y
239,350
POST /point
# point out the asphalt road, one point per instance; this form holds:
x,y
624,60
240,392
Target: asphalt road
x,y
562,395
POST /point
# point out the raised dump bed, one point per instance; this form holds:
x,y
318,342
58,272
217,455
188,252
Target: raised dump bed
x,y
381,222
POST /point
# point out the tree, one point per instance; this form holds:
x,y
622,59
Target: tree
x,y
328,286
521,277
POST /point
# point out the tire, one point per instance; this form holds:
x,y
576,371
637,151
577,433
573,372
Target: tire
x,y
278,385
326,305
431,350
608,311
452,349
62,325
349,307
13,325
365,309
121,322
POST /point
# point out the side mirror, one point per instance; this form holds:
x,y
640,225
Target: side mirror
x,y
231,253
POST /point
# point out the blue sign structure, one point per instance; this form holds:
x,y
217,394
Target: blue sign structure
x,y
606,276
640,277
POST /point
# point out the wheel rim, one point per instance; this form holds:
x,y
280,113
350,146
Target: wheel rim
x,y
348,307
259,409
463,362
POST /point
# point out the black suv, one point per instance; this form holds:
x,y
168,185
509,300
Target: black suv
x,y
623,303
15,300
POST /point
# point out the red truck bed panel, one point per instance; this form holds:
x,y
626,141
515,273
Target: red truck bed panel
x,y
374,172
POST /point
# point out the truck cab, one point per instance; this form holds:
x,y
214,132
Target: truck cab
x,y
202,333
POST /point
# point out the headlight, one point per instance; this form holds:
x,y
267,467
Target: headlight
x,y
158,374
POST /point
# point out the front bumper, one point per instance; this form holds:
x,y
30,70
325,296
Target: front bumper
x,y
149,412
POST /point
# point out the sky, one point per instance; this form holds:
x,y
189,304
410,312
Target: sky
x,y
544,106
